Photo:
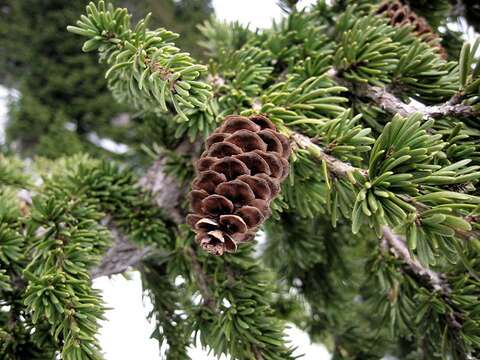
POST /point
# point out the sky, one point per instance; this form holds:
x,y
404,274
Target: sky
x,y
126,333
256,13
4,95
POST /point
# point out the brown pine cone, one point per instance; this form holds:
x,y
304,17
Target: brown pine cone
x,y
238,175
401,15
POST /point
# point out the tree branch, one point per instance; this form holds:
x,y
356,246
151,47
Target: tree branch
x,y
336,166
167,194
398,247
164,188
436,281
386,100
395,243
345,170
121,256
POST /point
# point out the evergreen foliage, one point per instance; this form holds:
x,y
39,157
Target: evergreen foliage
x,y
373,245
63,94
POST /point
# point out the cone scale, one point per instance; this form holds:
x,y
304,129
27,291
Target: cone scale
x,y
400,14
238,176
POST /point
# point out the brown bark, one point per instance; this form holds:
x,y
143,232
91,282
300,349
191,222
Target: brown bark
x,y
388,101
398,247
167,193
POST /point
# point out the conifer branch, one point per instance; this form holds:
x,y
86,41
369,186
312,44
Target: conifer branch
x,y
346,171
146,69
336,166
399,248
396,242
166,192
433,280
389,102
121,256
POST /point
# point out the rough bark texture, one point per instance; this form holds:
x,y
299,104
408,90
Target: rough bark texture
x,y
165,189
386,99
167,194
121,256
399,249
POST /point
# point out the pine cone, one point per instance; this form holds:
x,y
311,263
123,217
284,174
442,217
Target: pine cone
x,y
401,15
238,175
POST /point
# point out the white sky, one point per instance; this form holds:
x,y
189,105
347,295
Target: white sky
x,y
257,13
3,113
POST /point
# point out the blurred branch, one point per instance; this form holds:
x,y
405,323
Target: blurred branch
x,y
121,256
166,194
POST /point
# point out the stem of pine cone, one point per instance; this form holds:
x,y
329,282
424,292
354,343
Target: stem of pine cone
x,y
257,353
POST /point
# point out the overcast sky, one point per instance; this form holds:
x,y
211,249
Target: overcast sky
x,y
126,333
257,13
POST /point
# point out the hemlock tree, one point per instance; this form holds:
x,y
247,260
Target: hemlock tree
x,y
373,240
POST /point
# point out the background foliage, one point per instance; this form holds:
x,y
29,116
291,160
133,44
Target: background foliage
x,y
63,95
